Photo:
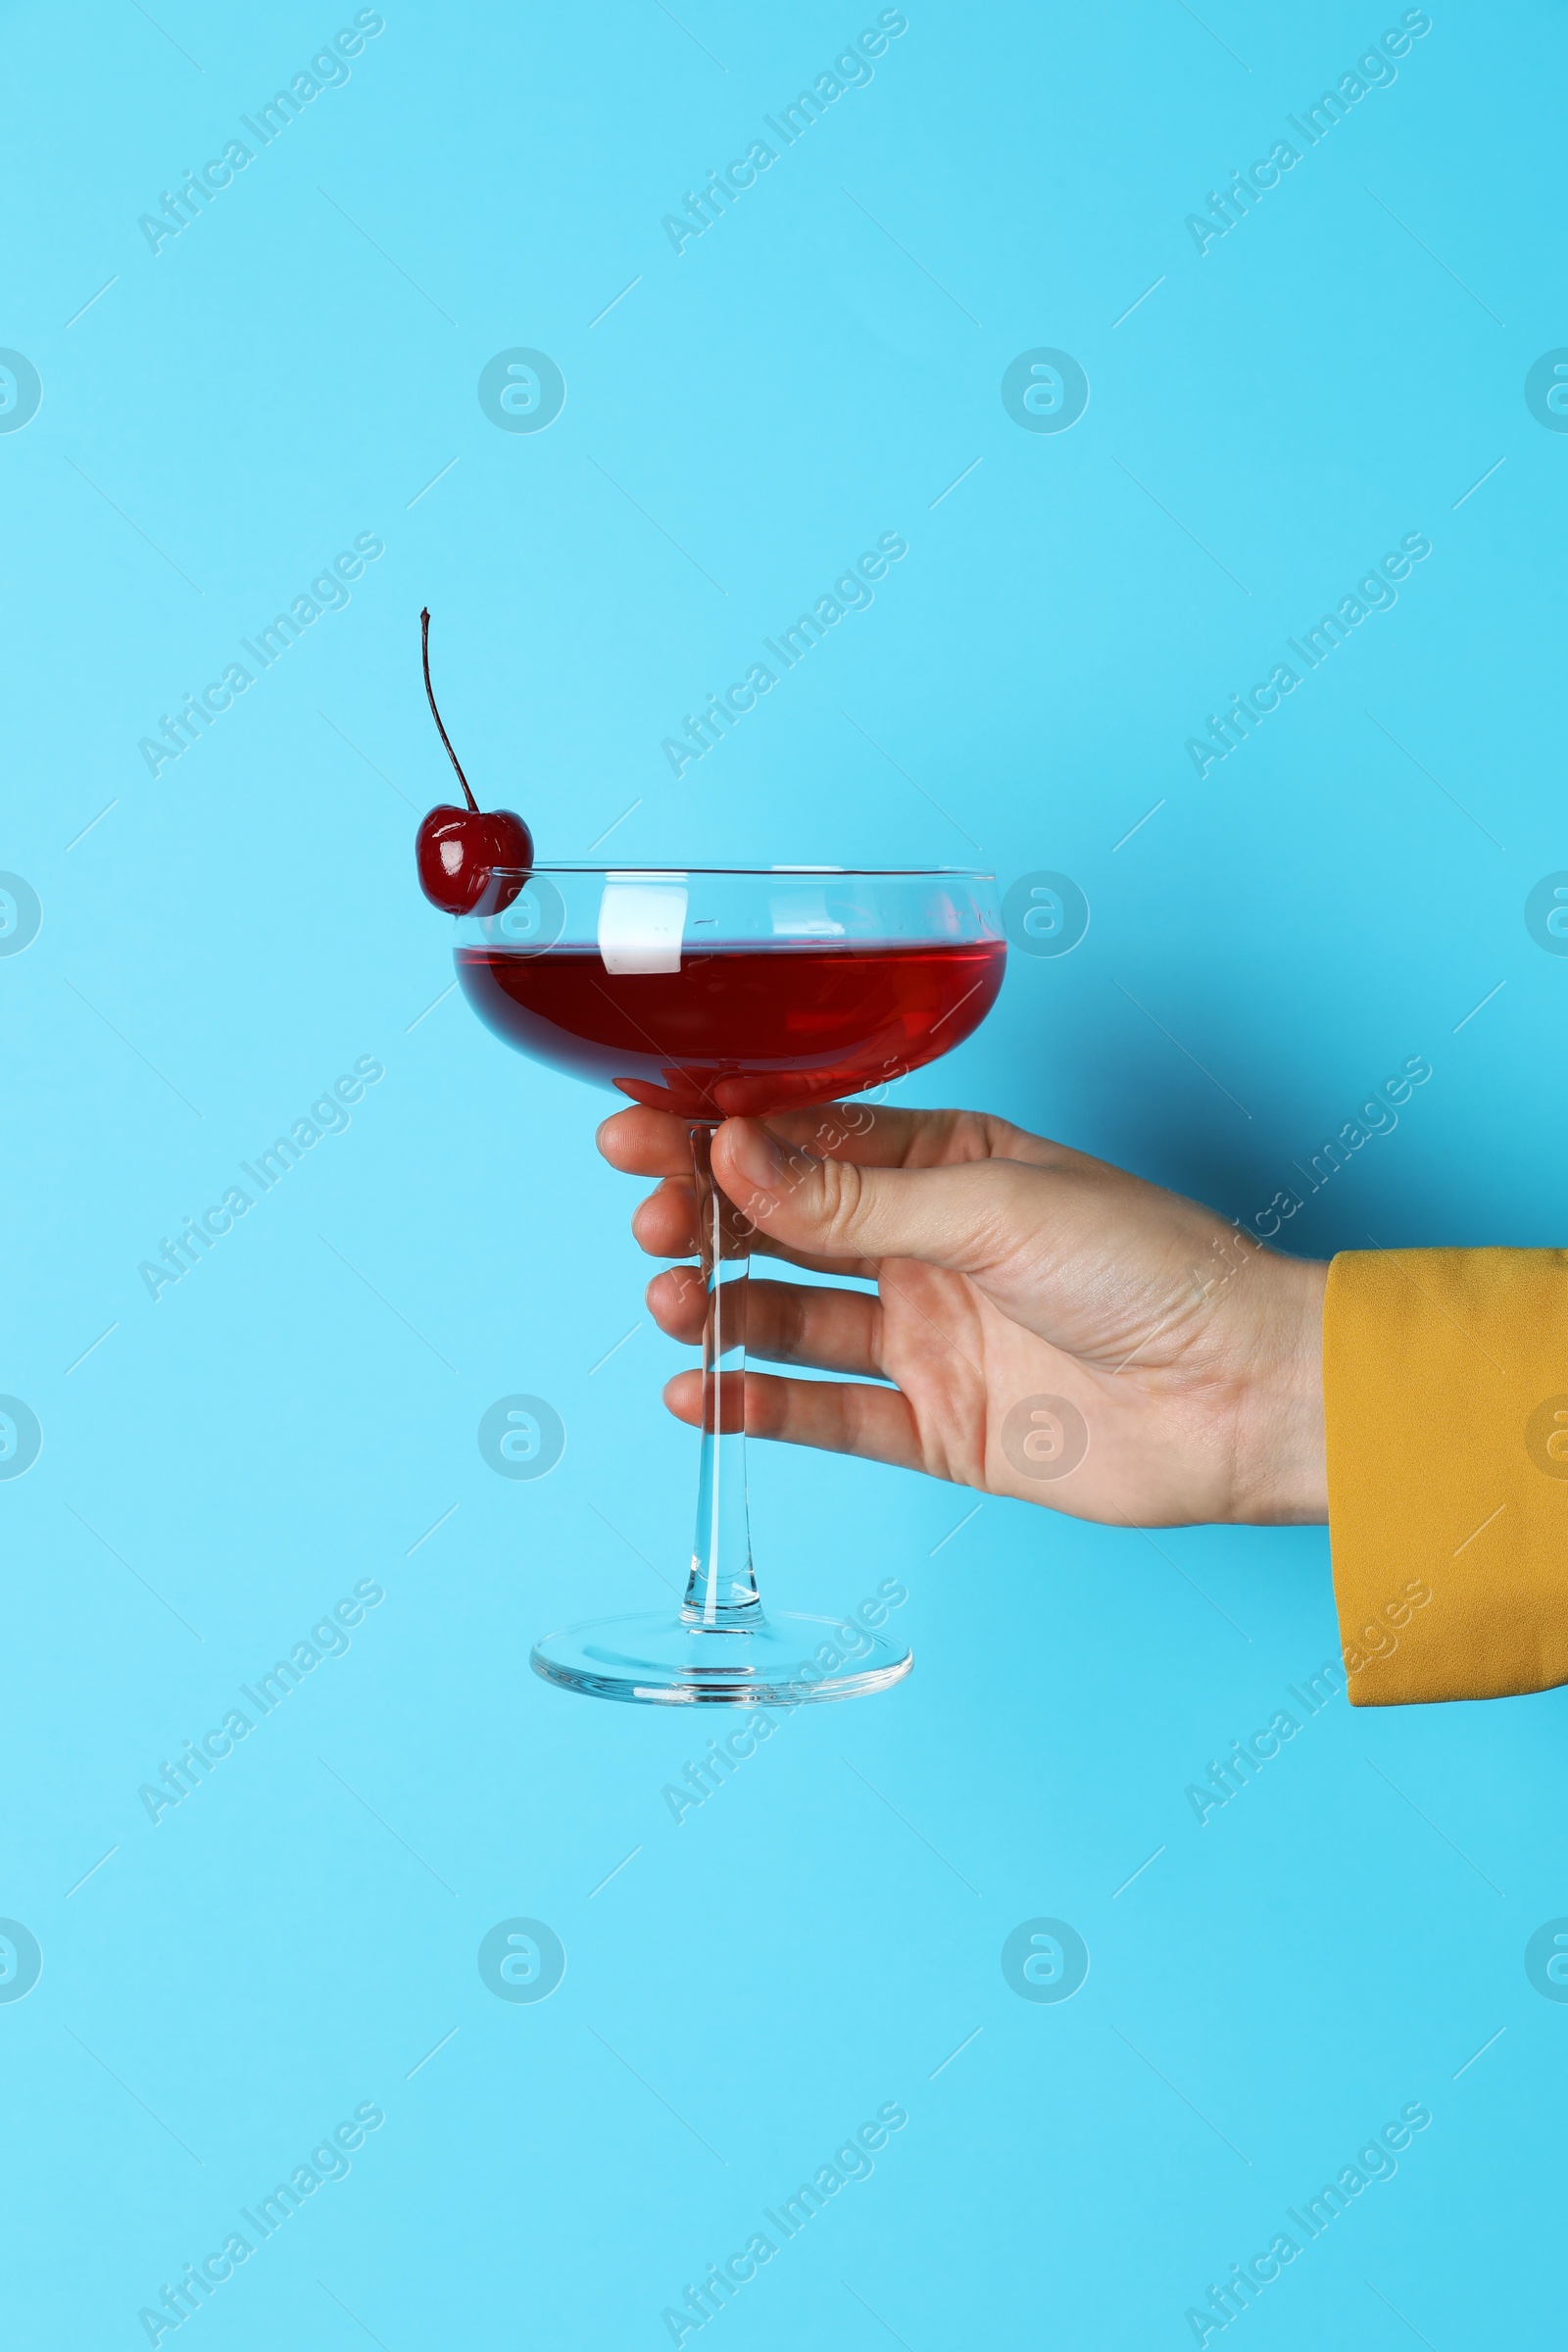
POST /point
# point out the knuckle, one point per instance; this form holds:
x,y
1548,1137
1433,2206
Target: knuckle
x,y
792,1319
842,1193
978,1135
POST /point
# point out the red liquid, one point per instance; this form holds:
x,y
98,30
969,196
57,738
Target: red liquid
x,y
737,1030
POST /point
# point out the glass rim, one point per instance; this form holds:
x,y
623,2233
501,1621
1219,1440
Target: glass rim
x,y
799,874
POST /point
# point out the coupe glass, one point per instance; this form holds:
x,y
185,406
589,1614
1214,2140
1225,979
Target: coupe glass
x,y
708,993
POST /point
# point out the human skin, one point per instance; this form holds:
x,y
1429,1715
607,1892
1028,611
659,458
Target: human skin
x,y
1007,1268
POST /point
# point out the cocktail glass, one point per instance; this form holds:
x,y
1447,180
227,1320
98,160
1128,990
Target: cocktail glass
x,y
710,993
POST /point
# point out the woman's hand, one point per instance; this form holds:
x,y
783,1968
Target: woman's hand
x,y
1013,1277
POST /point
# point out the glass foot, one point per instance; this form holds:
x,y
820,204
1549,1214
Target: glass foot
x,y
662,1660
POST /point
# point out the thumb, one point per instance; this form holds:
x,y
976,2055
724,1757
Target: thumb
x,y
947,1216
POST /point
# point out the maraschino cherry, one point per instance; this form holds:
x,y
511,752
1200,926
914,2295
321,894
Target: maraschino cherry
x,y
459,849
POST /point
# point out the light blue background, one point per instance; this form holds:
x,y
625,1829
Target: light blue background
x,y
293,1941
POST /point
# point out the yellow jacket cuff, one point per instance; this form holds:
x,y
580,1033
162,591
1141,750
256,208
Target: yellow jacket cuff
x,y
1445,1406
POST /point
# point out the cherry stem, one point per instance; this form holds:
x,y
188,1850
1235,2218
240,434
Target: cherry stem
x,y
424,655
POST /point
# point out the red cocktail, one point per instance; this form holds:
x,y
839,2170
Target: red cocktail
x,y
740,1029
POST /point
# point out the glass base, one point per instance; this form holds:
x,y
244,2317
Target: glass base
x,y
662,1660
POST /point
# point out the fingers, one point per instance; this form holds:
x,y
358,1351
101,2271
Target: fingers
x,y
961,1217
835,1416
847,1185
881,1135
646,1143
653,1142
664,1225
786,1322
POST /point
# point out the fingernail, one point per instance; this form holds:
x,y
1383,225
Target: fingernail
x,y
757,1157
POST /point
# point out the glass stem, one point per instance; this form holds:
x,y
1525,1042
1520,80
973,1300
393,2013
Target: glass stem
x,y
721,1591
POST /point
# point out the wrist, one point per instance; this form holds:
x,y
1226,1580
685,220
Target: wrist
x,y
1280,1473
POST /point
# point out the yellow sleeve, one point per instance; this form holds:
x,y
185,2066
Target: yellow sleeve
x,y
1446,1404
